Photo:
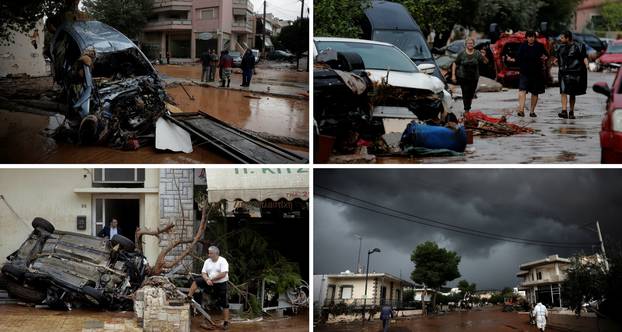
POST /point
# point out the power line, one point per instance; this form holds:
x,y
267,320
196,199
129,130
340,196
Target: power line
x,y
463,230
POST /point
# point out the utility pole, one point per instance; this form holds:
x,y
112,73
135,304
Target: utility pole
x,y
263,47
358,268
302,11
602,246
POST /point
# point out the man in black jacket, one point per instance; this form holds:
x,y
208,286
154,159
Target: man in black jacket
x,y
572,57
111,230
248,65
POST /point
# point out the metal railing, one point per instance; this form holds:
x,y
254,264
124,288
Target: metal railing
x,y
162,23
358,302
246,4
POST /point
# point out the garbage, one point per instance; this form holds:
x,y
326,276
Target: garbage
x,y
483,124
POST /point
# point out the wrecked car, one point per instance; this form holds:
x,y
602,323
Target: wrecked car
x,y
65,269
506,49
113,93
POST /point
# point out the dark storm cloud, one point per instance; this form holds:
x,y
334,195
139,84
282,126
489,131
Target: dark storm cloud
x,y
540,204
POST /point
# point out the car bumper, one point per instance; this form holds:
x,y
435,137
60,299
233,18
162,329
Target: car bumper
x,y
611,145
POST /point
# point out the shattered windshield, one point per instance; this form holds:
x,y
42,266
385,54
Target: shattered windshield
x,y
411,42
374,56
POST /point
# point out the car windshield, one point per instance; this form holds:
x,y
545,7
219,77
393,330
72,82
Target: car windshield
x,y
614,49
234,54
411,42
374,56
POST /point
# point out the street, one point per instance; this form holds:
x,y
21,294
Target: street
x,y
556,140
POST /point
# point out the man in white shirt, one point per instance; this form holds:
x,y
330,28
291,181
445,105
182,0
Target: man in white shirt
x,y
110,231
214,278
540,313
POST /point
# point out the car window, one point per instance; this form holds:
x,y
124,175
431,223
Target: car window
x,y
614,49
592,41
411,42
374,56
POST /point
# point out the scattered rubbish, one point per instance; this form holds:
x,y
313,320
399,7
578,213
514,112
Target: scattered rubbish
x,y
482,124
419,135
186,91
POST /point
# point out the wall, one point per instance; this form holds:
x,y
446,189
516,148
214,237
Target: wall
x,y
21,57
46,193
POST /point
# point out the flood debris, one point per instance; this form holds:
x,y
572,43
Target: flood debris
x,y
483,125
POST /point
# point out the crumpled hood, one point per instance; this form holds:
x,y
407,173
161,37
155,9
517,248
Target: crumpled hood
x,y
408,80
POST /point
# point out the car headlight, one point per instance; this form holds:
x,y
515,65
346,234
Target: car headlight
x,y
616,120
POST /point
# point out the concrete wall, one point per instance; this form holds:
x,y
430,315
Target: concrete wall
x,y
374,285
21,57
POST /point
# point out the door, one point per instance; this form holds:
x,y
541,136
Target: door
x,y
126,209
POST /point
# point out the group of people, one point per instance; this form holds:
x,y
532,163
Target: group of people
x,y
210,61
531,58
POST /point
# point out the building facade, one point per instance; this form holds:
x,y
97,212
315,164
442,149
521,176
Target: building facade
x,y
25,55
542,279
588,13
349,288
187,28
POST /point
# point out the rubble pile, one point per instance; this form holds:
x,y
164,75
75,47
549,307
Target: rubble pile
x,y
159,307
487,125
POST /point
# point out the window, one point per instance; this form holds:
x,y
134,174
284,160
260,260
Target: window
x,y
346,292
119,175
539,275
209,13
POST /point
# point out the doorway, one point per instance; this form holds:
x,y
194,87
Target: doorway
x,y
125,209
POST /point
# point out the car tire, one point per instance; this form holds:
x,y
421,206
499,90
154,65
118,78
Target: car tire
x,y
43,224
24,292
10,271
94,295
125,243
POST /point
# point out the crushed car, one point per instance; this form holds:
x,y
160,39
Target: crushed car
x,y
65,269
113,93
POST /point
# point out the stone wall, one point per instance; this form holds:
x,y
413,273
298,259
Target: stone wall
x,y
155,314
176,195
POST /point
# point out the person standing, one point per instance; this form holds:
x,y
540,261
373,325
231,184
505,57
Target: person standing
x,y
386,313
168,58
465,70
531,59
213,279
573,62
248,65
213,65
226,63
111,230
540,313
205,64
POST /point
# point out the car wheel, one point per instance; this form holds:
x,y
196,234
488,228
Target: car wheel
x,y
125,243
94,295
13,271
43,224
24,292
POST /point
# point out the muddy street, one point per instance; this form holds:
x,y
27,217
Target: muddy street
x,y
556,140
17,318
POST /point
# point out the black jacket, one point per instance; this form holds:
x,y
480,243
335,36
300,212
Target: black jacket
x,y
105,232
248,61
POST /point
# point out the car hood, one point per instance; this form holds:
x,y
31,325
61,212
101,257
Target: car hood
x,y
610,57
408,80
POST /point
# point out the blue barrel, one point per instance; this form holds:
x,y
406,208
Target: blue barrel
x,y
434,137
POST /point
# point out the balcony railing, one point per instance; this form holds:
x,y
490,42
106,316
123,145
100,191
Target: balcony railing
x,y
171,5
358,302
181,24
242,26
246,4
543,281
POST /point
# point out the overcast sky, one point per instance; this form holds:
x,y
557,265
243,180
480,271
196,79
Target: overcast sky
x,y
283,9
539,204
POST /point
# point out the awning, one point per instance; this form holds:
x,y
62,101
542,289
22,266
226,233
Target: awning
x,y
249,184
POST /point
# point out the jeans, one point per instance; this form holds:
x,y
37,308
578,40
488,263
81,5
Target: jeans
x,y
385,325
212,72
205,74
247,74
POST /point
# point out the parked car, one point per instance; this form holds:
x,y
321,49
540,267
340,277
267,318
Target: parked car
x,y
115,101
256,55
613,55
237,58
390,22
611,128
592,40
505,49
383,61
64,269
280,55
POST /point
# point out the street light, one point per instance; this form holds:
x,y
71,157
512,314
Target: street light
x,y
369,252
358,261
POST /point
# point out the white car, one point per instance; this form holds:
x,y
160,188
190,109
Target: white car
x,y
382,59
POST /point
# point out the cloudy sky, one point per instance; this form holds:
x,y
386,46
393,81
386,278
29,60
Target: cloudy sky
x,y
283,9
547,205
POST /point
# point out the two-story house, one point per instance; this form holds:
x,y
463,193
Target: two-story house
x,y
542,280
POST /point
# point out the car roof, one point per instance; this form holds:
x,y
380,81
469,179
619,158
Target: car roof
x,y
351,40
387,15
102,37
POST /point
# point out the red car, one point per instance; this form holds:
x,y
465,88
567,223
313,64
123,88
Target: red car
x,y
613,55
505,49
611,129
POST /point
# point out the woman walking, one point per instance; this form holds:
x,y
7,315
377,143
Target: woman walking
x,y
466,70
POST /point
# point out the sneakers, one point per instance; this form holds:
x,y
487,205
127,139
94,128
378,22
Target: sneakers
x,y
563,114
571,115
532,114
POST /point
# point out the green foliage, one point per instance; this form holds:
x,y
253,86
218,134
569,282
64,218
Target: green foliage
x,y
434,266
129,17
466,289
612,15
585,282
22,16
433,14
514,14
613,287
295,37
338,18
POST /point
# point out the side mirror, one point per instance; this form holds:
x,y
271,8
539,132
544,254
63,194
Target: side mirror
x,y
427,68
602,88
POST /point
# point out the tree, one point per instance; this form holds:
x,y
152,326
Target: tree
x,y
466,289
433,14
295,37
585,282
22,16
338,18
434,266
612,15
558,13
129,17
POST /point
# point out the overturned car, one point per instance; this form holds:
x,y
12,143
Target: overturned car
x,y
65,269
114,94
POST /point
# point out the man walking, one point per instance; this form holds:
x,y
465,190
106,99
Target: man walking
x,y
205,64
531,59
226,62
248,65
213,279
540,313
386,313
573,62
110,230
213,65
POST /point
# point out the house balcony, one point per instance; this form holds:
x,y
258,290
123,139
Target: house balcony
x,y
246,27
168,25
171,5
243,4
544,281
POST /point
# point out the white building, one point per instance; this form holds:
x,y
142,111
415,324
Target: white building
x,y
21,57
542,280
